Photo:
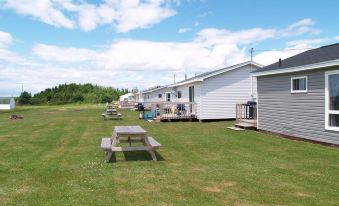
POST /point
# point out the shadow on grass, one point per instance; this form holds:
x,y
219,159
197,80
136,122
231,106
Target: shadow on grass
x,y
136,156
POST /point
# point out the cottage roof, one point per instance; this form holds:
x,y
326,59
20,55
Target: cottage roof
x,y
323,54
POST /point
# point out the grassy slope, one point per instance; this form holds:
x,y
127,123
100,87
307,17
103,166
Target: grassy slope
x,y
53,157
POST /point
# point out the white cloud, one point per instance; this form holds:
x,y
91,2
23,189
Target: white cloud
x,y
130,62
308,43
125,15
184,30
42,10
5,39
293,48
63,54
210,48
301,27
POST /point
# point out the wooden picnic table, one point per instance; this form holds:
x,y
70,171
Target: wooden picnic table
x,y
129,134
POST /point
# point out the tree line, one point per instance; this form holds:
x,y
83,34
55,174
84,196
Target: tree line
x,y
72,93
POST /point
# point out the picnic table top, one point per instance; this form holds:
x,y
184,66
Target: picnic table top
x,y
125,130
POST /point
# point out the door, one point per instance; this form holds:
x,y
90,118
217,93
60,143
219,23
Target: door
x,y
191,97
168,97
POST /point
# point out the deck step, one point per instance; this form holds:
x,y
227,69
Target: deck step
x,y
235,128
245,125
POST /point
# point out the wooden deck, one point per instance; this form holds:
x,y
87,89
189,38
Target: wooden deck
x,y
246,116
168,111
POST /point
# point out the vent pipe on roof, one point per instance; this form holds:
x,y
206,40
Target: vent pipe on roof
x,y
280,63
185,76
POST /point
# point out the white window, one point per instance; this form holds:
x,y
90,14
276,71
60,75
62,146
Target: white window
x,y
332,100
299,84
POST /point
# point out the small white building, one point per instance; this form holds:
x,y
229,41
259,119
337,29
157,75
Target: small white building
x,y
157,94
139,97
127,100
7,103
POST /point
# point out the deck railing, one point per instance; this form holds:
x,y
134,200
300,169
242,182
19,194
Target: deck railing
x,y
173,110
125,104
246,111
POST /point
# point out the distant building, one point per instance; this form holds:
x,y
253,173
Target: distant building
x,y
127,100
7,103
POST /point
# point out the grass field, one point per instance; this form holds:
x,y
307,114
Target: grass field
x,y
53,157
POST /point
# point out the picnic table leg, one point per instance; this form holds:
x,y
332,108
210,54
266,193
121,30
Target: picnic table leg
x,y
152,153
108,156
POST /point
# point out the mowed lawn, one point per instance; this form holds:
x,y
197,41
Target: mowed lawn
x,y
53,157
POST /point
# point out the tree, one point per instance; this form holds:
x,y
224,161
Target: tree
x,y
25,98
77,93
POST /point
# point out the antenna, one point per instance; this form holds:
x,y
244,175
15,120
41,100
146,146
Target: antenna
x,y
252,51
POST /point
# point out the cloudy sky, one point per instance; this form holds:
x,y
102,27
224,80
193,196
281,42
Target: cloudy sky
x,y
143,43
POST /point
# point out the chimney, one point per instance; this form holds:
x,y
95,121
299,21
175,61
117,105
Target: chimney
x,y
185,76
280,63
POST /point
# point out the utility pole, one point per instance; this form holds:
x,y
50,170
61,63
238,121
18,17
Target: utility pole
x,y
174,78
22,88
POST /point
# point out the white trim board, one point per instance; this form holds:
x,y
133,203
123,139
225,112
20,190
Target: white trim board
x,y
299,91
215,73
327,111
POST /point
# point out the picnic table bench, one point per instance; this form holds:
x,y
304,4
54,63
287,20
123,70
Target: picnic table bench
x,y
111,113
129,134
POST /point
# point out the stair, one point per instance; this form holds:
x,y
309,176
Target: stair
x,y
246,123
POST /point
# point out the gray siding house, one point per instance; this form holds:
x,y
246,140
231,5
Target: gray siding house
x,y
299,96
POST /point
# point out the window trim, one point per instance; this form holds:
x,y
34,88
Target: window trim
x,y
299,91
327,95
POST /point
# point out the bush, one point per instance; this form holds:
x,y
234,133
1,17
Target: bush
x,y
25,98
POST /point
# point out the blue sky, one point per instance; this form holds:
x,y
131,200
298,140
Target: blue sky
x,y
140,43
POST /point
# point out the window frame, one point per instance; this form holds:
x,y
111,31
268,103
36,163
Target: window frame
x,y
328,112
299,91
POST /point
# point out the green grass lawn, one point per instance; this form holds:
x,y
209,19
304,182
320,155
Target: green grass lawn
x,y
53,157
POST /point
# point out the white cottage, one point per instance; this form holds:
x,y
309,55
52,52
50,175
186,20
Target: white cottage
x,y
214,94
7,103
127,100
157,94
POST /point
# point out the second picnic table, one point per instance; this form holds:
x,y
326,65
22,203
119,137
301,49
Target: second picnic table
x,y
129,134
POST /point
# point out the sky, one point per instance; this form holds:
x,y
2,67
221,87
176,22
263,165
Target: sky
x,y
144,43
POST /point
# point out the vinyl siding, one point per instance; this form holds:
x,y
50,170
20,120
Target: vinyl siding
x,y
185,95
5,106
220,94
153,96
294,114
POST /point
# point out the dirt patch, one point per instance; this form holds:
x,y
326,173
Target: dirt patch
x,y
213,189
126,192
302,194
229,184
16,117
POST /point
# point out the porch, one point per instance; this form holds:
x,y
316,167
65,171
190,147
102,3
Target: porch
x,y
246,115
168,111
